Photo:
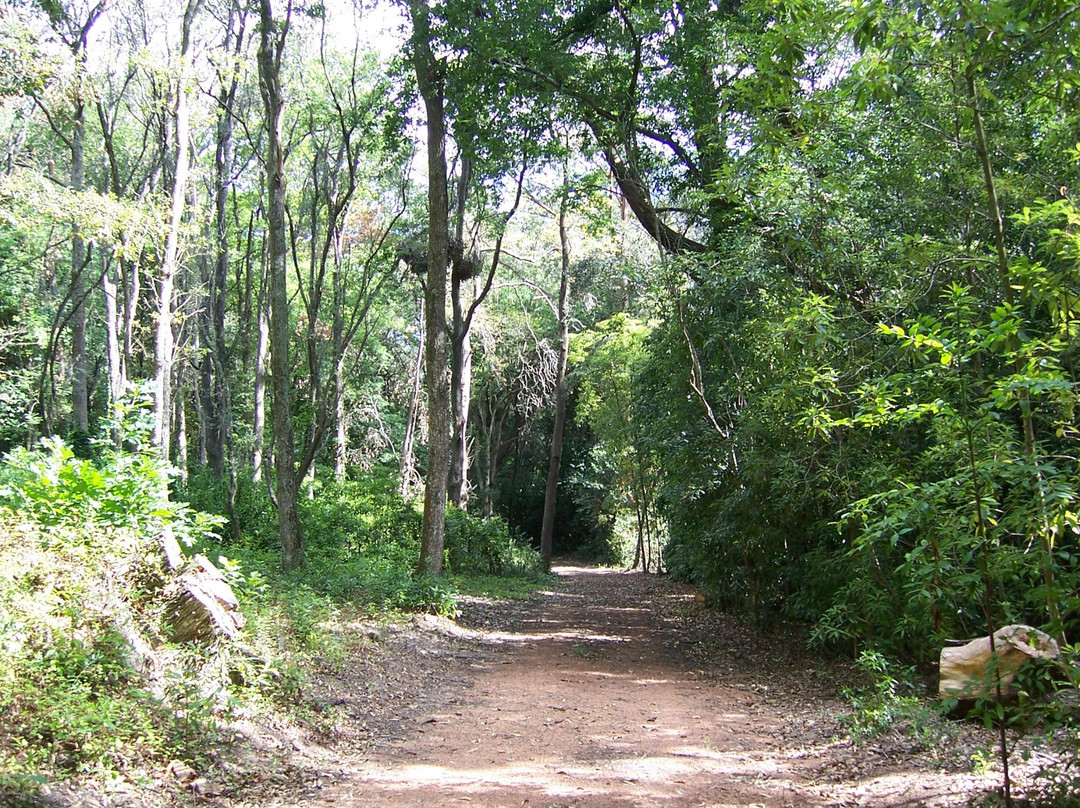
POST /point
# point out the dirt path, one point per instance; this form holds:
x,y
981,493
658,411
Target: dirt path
x,y
615,691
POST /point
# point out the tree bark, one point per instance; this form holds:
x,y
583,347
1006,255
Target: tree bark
x,y
461,349
112,277
180,419
547,530
271,47
215,358
262,350
164,342
430,79
409,477
112,334
80,402
460,399
80,405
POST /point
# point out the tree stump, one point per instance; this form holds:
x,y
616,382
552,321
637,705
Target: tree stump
x,y
204,607
969,672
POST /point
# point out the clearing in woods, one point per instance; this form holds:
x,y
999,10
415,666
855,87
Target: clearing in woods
x,y
613,690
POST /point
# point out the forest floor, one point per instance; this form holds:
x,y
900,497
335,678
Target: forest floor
x,y
610,690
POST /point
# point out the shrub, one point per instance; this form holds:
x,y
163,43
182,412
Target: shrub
x,y
880,702
80,581
486,546
74,624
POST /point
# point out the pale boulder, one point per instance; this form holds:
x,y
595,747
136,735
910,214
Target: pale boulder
x,y
967,671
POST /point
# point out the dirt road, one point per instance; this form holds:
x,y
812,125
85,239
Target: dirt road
x,y
614,691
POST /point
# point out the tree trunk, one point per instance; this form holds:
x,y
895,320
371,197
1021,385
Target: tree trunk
x,y
271,47
460,399
180,419
262,349
74,34
547,530
164,344
114,274
341,440
131,283
430,77
409,477
80,405
218,411
112,334
461,350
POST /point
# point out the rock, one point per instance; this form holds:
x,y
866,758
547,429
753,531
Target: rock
x,y
204,788
182,772
205,606
966,672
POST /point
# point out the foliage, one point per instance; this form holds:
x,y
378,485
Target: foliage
x,y
617,483
890,698
363,541
843,392
1048,708
486,547
120,489
79,604
881,702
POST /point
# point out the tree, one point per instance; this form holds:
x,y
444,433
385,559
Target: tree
x,y
607,359
430,78
73,26
164,343
272,36
214,362
551,491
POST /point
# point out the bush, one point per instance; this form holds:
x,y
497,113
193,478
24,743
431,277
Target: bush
x,y
880,702
74,625
362,543
81,604
358,517
486,546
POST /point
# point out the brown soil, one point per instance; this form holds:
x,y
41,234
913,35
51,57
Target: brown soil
x,y
613,690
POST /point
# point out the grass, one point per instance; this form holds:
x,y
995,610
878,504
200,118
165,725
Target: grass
x,y
501,588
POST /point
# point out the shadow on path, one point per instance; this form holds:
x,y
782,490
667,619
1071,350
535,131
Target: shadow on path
x,y
579,700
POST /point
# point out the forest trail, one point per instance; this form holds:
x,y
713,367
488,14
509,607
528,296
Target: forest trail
x,y
591,698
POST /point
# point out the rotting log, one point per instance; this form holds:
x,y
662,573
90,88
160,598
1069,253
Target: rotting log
x,y
973,671
204,607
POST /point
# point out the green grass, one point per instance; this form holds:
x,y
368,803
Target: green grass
x,y
500,587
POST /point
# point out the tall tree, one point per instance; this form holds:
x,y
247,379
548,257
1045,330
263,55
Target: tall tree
x,y
214,360
551,491
466,299
431,78
462,277
73,25
272,36
164,343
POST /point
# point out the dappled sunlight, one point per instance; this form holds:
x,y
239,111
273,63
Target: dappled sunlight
x,y
522,637
574,570
584,703
658,778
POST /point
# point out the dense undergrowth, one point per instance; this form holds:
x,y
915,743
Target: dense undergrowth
x,y
91,683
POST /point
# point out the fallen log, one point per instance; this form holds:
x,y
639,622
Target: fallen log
x,y
204,606
972,671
